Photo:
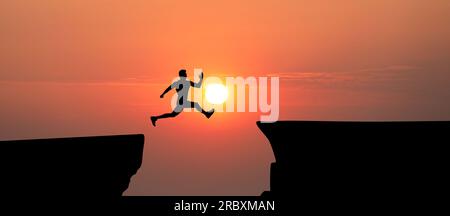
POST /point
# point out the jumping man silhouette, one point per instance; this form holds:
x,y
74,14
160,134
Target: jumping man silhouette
x,y
182,87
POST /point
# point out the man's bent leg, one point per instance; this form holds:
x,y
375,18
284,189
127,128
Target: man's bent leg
x,y
199,108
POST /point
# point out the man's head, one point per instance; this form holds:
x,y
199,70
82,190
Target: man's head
x,y
182,73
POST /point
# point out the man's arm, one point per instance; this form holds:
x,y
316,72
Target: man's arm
x,y
165,91
199,84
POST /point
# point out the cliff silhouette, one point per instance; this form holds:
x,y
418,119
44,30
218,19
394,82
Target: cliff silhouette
x,y
349,166
64,169
319,167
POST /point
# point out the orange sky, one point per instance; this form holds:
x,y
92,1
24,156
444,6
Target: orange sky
x,y
75,68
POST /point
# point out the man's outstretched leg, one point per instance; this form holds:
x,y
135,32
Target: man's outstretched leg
x,y
166,115
199,108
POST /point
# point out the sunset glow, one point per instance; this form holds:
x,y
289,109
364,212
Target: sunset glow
x,y
77,68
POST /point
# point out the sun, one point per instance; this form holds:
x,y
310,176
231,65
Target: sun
x,y
216,93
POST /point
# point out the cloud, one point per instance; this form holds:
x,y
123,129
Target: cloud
x,y
119,82
360,76
391,68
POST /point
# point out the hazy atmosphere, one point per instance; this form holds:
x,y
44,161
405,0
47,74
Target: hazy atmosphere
x,y
97,67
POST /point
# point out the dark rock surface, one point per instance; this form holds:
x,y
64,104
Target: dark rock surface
x,y
64,169
326,166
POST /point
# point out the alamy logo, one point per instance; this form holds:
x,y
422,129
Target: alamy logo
x,y
259,94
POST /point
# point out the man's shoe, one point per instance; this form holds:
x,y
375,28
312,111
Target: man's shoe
x,y
153,119
209,114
